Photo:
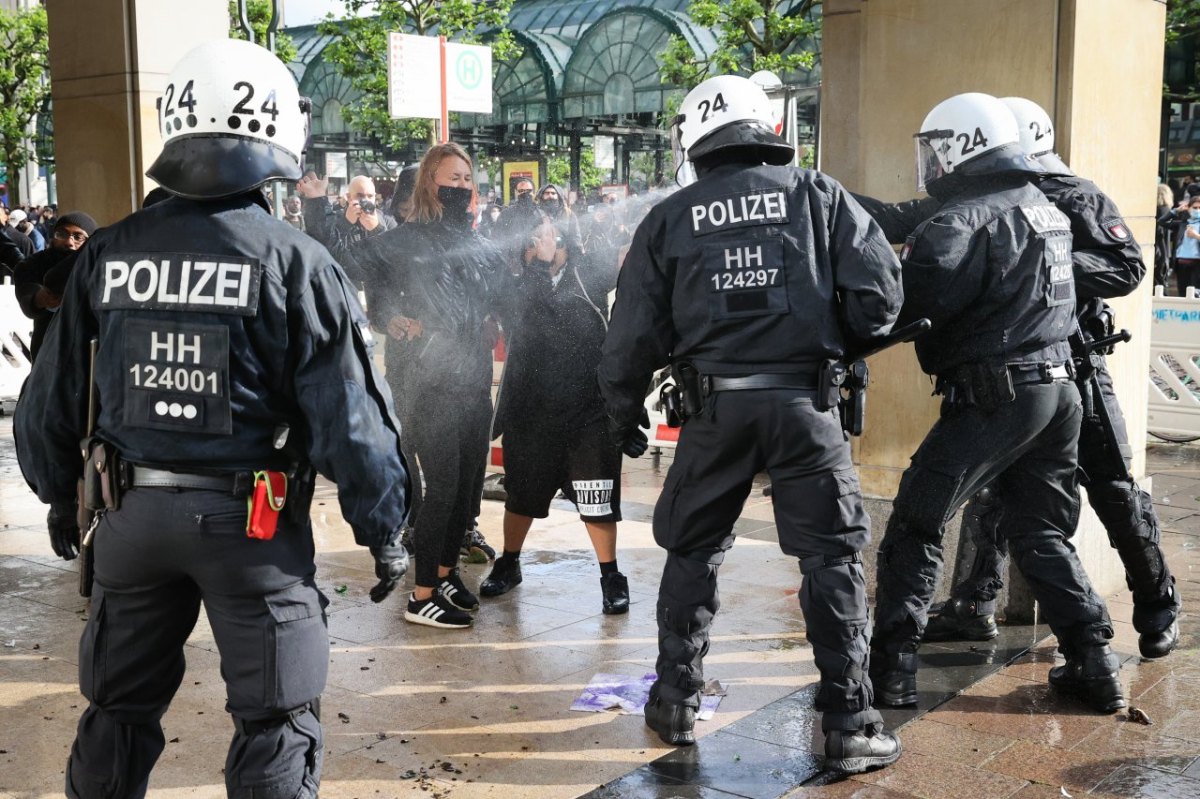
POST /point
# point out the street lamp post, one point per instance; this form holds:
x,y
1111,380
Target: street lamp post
x,y
272,26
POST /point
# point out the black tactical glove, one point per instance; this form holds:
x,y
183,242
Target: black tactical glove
x,y
629,439
64,532
391,564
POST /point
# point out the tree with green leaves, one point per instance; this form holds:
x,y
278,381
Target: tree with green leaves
x,y
591,177
751,35
259,14
1183,19
359,53
1183,25
24,84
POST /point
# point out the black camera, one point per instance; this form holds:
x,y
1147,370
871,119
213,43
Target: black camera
x,y
367,206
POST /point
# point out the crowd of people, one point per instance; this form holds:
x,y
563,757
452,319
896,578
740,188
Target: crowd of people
x,y
445,276
220,398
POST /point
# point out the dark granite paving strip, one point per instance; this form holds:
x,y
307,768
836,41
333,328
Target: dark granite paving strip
x,y
774,750
1136,780
644,784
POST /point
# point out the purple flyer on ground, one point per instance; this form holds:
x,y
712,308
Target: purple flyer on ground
x,y
628,693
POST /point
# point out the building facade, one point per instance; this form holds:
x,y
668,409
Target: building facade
x,y
588,79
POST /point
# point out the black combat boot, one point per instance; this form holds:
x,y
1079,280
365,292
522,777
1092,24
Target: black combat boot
x,y
856,751
1091,673
1158,624
615,589
674,722
505,576
961,620
894,675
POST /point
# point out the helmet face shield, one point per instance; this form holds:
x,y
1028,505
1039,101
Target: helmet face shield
x,y
932,147
685,173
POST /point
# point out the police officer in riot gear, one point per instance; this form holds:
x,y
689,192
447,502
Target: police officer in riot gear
x,y
992,270
745,282
231,363
1107,263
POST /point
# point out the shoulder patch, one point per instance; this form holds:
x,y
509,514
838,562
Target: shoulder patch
x,y
1046,218
1117,230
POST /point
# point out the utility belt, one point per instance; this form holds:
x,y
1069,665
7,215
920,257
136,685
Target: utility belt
x,y
108,477
990,385
685,398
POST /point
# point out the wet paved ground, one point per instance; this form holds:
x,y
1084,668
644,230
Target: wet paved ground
x,y
412,711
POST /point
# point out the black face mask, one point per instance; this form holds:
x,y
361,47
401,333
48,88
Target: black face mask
x,y
456,205
526,198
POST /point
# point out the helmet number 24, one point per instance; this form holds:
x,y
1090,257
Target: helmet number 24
x,y
268,107
707,108
186,99
971,143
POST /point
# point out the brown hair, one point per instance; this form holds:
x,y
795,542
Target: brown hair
x,y
426,207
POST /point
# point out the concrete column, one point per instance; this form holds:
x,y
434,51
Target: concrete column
x,y
1095,65
109,60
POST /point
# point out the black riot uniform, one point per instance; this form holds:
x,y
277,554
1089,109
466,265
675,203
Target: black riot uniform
x,y
229,343
1106,263
992,270
752,277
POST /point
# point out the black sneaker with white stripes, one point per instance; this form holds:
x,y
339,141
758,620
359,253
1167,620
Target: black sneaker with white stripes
x,y
452,589
437,612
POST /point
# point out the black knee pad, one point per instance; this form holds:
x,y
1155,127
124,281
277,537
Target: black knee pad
x,y
1126,511
278,757
926,499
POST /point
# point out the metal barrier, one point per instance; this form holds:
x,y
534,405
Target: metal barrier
x,y
16,331
1174,386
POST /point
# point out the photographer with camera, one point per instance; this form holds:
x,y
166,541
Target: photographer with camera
x,y
338,232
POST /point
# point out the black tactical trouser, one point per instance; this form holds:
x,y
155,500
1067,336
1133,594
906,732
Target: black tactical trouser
x,y
820,519
449,434
1027,448
157,559
1125,510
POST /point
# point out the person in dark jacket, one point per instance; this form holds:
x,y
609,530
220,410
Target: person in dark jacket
x,y
432,283
340,228
992,270
550,411
231,363
552,202
746,281
23,242
41,279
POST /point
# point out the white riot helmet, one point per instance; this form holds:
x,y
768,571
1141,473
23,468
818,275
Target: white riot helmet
x,y
960,130
727,112
231,118
1037,133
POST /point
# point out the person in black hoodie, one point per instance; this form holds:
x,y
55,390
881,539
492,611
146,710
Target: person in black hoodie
x,y
551,412
41,278
553,203
433,280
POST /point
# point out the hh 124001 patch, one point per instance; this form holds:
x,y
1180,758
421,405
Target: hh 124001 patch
x,y
177,376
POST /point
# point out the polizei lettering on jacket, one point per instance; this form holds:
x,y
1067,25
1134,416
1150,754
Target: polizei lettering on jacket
x,y
180,281
758,207
1046,219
